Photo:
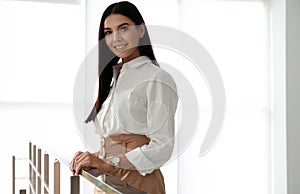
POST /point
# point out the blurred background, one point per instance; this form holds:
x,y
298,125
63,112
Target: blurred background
x,y
253,43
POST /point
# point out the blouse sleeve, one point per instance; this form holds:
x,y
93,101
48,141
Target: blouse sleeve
x,y
161,107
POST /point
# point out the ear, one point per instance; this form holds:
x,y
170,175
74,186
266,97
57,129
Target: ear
x,y
142,30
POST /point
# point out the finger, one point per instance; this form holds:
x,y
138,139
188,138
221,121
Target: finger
x,y
77,172
72,166
79,167
77,154
84,158
72,163
85,161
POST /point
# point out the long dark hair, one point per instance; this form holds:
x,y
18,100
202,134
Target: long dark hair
x,y
107,59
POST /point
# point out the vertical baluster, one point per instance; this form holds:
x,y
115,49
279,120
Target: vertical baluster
x,y
30,167
56,177
39,170
13,174
75,185
46,172
34,168
22,191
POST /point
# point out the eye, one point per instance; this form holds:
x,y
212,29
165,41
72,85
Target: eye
x,y
124,29
107,33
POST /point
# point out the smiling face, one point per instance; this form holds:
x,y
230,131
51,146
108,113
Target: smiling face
x,y
122,36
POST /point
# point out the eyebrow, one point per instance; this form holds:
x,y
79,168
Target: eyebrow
x,y
119,26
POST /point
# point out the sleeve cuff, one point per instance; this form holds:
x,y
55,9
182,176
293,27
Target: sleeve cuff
x,y
143,165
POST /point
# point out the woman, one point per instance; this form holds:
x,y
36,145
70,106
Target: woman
x,y
134,111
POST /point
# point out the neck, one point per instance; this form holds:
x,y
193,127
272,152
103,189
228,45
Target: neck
x,y
131,57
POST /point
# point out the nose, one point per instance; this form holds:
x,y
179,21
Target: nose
x,y
116,36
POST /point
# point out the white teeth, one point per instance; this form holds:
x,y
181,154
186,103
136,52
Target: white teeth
x,y
120,46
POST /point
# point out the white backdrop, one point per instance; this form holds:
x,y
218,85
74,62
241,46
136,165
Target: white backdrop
x,y
43,45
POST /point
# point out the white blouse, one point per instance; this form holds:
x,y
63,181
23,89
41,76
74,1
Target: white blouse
x,y
142,100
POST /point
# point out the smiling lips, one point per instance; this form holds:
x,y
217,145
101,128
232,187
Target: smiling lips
x,y
120,47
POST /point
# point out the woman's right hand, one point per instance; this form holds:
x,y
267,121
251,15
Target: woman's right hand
x,y
86,161
73,162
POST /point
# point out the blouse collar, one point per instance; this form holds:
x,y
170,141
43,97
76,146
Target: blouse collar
x,y
136,62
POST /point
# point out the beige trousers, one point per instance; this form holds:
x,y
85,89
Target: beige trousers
x,y
126,179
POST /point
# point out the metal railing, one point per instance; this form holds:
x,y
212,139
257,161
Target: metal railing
x,y
98,183
39,178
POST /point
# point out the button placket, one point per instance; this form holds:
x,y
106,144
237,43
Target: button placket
x,y
115,84
102,148
109,104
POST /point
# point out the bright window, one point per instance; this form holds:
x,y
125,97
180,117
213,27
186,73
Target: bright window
x,y
42,45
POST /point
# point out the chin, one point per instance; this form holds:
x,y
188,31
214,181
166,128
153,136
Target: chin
x,y
123,54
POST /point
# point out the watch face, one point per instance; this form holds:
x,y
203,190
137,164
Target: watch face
x,y
115,160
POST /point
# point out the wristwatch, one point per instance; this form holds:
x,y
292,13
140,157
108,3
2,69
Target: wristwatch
x,y
116,160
